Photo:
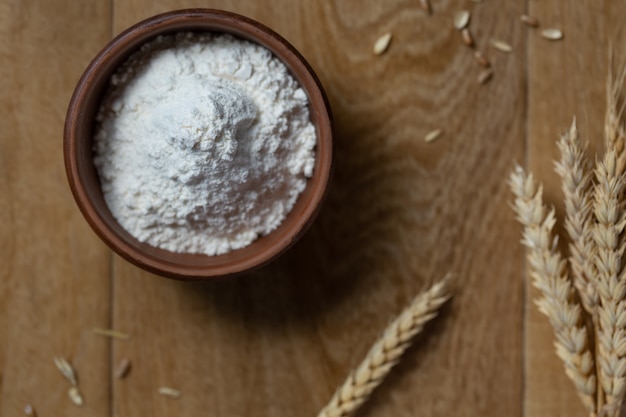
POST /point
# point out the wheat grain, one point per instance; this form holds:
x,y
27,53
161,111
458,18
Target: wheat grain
x,y
169,392
462,19
481,59
485,75
501,46
529,21
123,369
611,220
576,176
549,274
433,135
467,38
382,43
75,396
66,370
386,352
552,34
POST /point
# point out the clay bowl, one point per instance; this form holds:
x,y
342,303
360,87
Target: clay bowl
x,y
83,178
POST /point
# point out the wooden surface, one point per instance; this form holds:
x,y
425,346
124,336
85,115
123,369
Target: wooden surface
x,y
400,213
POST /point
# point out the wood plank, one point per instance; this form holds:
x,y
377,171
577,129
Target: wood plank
x,y
400,213
54,272
565,79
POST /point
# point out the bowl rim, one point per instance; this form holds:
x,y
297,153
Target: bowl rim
x,y
218,21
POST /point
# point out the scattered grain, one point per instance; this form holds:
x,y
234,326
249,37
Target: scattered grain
x,y
30,411
481,59
382,43
529,21
66,369
169,392
485,76
467,37
433,135
462,19
501,45
111,333
123,369
75,396
426,6
552,34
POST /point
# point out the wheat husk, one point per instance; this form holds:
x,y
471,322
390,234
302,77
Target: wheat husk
x,y
66,370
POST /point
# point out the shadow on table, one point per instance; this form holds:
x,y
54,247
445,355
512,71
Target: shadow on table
x,y
347,249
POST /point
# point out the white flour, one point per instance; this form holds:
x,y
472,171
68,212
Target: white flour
x,y
203,143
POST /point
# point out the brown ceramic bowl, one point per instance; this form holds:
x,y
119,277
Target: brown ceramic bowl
x,y
85,184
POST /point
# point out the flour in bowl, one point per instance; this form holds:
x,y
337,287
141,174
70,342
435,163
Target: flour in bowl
x,y
203,143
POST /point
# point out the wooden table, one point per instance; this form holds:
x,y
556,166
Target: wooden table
x,y
401,213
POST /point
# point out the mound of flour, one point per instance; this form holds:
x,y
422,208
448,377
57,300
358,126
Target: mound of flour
x,y
203,143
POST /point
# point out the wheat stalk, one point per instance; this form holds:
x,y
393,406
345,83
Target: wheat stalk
x,y
386,352
549,273
575,173
611,220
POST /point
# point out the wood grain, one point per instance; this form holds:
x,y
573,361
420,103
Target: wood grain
x,y
400,213
54,273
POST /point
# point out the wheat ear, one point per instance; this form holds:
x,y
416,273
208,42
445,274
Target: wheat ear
x,y
386,352
549,275
575,173
614,131
610,217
